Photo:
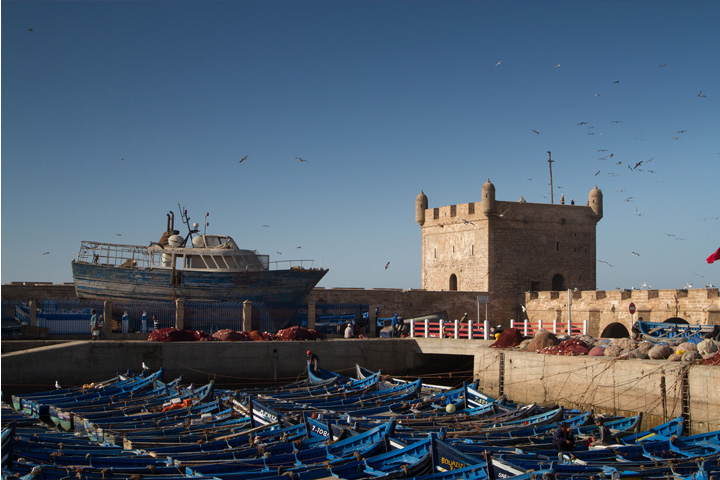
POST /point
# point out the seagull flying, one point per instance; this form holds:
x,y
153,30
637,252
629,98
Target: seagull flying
x,y
700,94
387,265
301,159
636,254
243,159
536,132
466,222
606,263
46,253
498,63
558,65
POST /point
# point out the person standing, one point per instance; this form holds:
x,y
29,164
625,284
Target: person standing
x,y
125,322
464,318
143,322
94,325
349,331
313,360
394,326
156,322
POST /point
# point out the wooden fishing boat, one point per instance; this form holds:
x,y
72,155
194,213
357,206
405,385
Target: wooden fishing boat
x,y
658,332
197,267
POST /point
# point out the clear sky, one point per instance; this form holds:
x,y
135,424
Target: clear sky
x,y
115,111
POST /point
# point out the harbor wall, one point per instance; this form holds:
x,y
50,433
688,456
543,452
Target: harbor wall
x,y
660,390
605,311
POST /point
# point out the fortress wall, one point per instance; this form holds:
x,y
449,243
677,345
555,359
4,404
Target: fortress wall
x,y
602,308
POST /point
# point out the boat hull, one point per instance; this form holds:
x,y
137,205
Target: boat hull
x,y
106,282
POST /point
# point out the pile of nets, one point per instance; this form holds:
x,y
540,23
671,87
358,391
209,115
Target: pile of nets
x,y
298,333
508,338
175,335
571,346
228,335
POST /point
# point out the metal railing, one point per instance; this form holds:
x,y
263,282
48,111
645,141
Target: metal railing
x,y
446,329
130,256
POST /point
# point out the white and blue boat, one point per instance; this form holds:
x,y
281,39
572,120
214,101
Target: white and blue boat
x,y
197,267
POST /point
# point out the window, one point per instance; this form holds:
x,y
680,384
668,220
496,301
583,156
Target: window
x,y
453,283
471,208
558,282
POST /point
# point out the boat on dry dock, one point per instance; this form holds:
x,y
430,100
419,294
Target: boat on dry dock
x,y
197,267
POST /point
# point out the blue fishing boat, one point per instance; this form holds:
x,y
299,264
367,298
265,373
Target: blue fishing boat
x,y
658,332
197,267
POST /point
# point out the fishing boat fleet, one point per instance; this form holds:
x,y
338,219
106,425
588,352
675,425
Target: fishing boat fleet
x,y
328,425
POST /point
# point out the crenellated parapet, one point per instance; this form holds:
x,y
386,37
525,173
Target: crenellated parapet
x,y
603,308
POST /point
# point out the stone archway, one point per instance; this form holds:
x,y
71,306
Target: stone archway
x,y
615,330
558,282
453,285
678,320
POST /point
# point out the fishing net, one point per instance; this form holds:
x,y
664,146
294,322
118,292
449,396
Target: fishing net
x,y
508,338
571,346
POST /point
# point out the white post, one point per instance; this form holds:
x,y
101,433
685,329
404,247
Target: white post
x,y
525,330
584,327
457,328
569,325
486,329
470,330
412,328
427,328
555,326
512,323
540,324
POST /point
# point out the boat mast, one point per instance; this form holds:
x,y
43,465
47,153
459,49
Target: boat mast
x,y
186,220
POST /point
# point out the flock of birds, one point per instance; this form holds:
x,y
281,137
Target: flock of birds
x,y
643,166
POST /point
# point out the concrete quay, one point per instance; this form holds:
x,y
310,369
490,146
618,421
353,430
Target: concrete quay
x,y
660,390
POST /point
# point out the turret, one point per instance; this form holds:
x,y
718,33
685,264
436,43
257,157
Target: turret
x,y
421,204
488,198
595,201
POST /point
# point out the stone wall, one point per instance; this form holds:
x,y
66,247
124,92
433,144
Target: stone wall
x,y
607,385
602,308
407,303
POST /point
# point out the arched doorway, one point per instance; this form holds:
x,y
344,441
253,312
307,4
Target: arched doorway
x,y
677,320
558,282
615,330
453,283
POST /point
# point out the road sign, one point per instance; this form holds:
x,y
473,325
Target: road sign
x,y
483,298
631,308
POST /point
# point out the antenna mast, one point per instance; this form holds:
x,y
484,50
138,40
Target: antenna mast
x,y
550,162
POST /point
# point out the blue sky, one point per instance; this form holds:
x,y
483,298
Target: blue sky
x,y
113,112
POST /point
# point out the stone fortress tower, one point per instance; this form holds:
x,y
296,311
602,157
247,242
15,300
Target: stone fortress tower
x,y
508,248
